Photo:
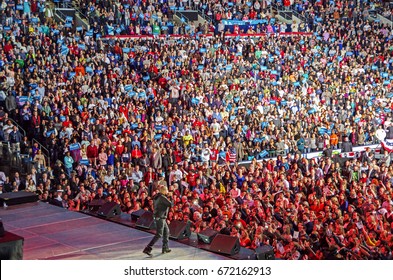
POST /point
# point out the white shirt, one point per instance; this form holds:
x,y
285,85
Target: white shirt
x,y
205,154
137,176
216,128
175,175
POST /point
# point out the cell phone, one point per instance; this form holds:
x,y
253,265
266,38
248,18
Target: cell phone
x,y
359,225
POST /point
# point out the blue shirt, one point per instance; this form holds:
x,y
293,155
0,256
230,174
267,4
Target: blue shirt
x,y
68,161
136,143
240,180
111,159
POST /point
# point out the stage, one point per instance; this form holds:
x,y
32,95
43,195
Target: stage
x,y
54,233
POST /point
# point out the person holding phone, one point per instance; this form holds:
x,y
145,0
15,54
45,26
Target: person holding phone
x,y
161,207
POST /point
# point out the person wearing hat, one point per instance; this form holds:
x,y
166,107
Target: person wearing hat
x,y
161,180
161,208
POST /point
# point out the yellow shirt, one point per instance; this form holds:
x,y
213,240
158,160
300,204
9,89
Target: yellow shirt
x,y
370,242
187,139
224,114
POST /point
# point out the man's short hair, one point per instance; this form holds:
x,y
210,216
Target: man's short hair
x,y
162,189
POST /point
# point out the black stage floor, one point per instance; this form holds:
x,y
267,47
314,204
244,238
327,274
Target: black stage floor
x,y
52,232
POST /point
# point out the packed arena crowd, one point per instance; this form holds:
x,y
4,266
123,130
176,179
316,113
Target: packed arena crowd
x,y
226,121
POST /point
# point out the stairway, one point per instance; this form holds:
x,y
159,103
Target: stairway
x,y
377,14
11,163
62,10
286,15
188,16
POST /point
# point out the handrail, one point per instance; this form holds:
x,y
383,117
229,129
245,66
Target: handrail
x,y
42,148
79,11
281,11
203,14
23,132
299,15
389,18
286,14
181,16
275,6
71,5
60,14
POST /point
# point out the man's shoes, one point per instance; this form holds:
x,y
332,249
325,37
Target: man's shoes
x,y
147,251
166,250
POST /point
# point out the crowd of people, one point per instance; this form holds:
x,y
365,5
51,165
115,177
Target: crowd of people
x,y
121,117
139,18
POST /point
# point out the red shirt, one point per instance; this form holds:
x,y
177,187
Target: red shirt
x,y
149,177
85,116
178,156
162,82
253,14
117,50
236,29
191,178
119,150
197,123
66,123
36,121
124,110
214,155
127,131
92,151
363,180
136,153
8,48
80,70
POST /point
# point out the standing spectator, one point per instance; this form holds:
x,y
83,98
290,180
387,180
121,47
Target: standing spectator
x,y
102,157
40,161
92,153
175,176
156,159
346,146
137,175
15,138
36,125
334,140
136,155
68,163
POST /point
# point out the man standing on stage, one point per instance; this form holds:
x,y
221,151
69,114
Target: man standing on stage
x,y
161,208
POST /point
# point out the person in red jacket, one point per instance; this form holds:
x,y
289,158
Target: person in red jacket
x,y
253,14
178,153
136,154
92,153
8,47
36,124
120,148
236,29
192,178
149,178
80,70
67,122
214,154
